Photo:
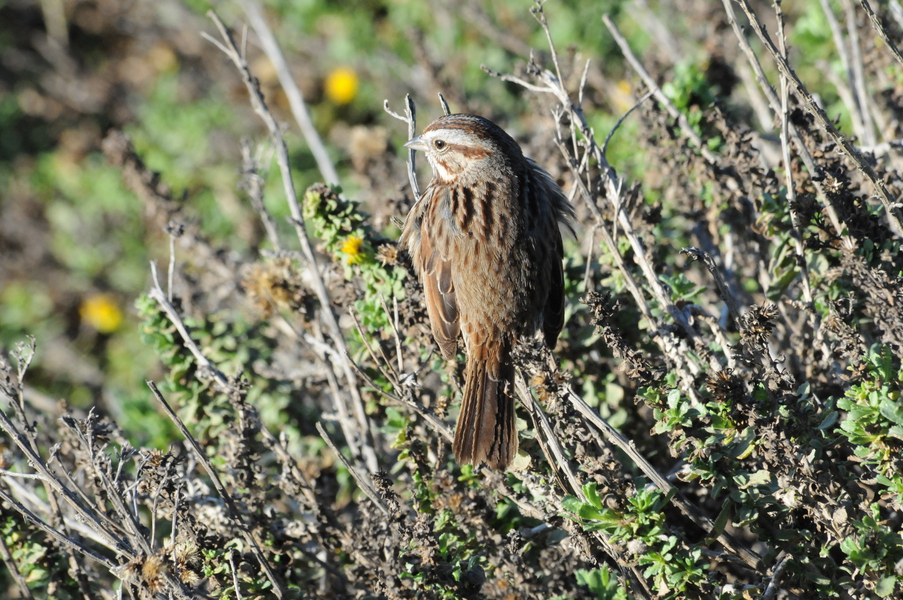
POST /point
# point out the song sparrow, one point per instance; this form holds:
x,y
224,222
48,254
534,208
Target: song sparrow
x,y
484,239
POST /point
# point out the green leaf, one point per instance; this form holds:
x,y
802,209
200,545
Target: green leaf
x,y
780,284
829,420
891,411
592,496
886,586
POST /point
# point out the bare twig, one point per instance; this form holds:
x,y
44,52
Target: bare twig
x,y
882,31
862,98
611,133
292,92
13,569
410,117
723,289
157,293
253,183
774,582
297,219
234,513
756,99
661,35
637,66
843,51
788,167
234,575
362,484
891,205
557,461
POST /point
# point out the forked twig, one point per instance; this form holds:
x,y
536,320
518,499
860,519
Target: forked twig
x,y
410,117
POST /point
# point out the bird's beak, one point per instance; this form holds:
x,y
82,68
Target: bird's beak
x,y
415,144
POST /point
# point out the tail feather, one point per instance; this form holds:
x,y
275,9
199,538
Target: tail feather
x,y
487,429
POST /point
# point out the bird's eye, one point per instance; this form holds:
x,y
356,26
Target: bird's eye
x,y
439,144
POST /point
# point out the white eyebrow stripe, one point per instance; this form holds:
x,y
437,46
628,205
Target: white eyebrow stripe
x,y
452,136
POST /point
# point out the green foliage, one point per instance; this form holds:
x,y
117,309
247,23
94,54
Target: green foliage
x,y
874,419
873,549
602,583
345,233
671,565
43,566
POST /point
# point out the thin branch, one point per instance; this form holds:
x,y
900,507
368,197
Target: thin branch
x,y
234,575
774,582
882,31
252,182
637,66
362,484
723,289
157,293
891,205
843,51
410,117
14,569
234,513
611,133
557,461
297,219
862,98
788,168
292,92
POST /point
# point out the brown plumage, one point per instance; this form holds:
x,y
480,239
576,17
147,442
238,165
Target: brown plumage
x,y
484,239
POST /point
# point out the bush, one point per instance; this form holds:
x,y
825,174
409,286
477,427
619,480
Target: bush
x,y
721,417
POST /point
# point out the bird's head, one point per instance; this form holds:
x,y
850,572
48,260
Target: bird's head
x,y
464,146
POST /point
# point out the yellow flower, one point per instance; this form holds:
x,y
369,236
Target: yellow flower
x,y
101,312
341,85
353,247
621,96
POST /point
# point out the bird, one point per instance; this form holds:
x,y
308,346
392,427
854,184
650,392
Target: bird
x,y
485,241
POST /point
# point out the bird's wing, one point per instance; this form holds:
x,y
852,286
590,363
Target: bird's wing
x,y
550,240
553,311
436,273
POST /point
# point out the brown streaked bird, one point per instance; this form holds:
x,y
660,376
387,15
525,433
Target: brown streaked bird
x,y
484,239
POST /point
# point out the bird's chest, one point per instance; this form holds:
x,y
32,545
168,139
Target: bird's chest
x,y
483,215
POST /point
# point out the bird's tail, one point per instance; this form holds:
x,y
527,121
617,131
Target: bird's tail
x,y
487,429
